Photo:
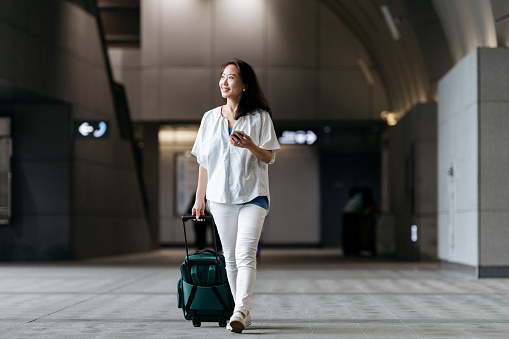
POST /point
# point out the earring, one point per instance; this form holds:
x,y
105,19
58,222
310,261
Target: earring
x,y
244,90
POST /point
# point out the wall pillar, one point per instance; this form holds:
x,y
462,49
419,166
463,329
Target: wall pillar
x,y
473,125
409,174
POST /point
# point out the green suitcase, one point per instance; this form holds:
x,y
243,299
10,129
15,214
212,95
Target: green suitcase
x,y
203,290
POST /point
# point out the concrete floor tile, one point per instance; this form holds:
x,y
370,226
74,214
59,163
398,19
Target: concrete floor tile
x,y
135,297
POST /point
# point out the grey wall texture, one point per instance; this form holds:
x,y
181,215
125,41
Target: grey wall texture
x,y
52,49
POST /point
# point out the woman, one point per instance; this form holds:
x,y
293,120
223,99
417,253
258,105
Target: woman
x,y
235,144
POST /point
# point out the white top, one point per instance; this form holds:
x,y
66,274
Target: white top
x,y
235,175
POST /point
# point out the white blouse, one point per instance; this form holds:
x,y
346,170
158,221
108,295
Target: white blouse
x,y
235,175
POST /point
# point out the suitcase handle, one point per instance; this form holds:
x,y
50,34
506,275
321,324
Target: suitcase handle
x,y
189,217
207,218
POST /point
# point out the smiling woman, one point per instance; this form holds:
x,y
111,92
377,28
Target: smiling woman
x,y
235,144
237,75
231,84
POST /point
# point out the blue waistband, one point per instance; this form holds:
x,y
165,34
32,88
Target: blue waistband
x,y
261,201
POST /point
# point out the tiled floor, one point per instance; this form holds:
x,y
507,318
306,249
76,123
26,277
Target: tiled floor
x,y
299,294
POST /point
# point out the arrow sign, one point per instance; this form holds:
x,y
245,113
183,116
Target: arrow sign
x,y
298,137
92,129
85,129
310,138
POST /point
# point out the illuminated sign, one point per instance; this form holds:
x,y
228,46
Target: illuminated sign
x,y
92,129
297,138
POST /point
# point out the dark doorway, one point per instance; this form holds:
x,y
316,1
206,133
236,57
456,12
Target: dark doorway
x,y
344,167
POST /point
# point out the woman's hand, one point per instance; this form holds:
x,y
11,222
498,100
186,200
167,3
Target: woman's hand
x,y
199,204
198,209
242,140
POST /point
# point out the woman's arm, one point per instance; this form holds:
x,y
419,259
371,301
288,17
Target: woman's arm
x,y
261,154
199,204
244,141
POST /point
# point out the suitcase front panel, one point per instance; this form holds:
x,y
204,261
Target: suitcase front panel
x,y
205,298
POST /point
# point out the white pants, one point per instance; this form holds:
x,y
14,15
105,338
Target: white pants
x,y
239,227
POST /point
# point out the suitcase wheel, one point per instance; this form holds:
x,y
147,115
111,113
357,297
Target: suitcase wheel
x,y
197,322
222,321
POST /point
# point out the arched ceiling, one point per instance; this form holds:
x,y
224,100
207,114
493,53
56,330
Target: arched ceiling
x,y
433,35
467,24
409,73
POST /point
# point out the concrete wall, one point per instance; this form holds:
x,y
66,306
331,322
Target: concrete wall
x,y
305,57
294,217
410,185
53,49
40,227
473,126
493,160
459,150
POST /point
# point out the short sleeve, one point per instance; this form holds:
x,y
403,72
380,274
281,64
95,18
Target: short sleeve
x,y
199,144
268,138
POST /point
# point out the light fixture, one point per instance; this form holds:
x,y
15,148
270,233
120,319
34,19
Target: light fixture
x,y
413,233
389,20
390,117
366,71
181,135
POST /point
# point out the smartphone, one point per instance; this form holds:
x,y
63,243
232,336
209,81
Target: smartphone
x,y
239,132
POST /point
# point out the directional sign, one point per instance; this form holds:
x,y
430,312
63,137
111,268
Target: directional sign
x,y
85,129
92,129
298,138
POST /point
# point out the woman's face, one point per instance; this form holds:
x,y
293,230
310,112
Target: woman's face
x,y
231,84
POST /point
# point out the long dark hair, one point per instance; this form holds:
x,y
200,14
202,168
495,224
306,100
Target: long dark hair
x,y
252,99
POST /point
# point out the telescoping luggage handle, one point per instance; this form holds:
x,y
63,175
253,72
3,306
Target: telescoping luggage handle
x,y
207,218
